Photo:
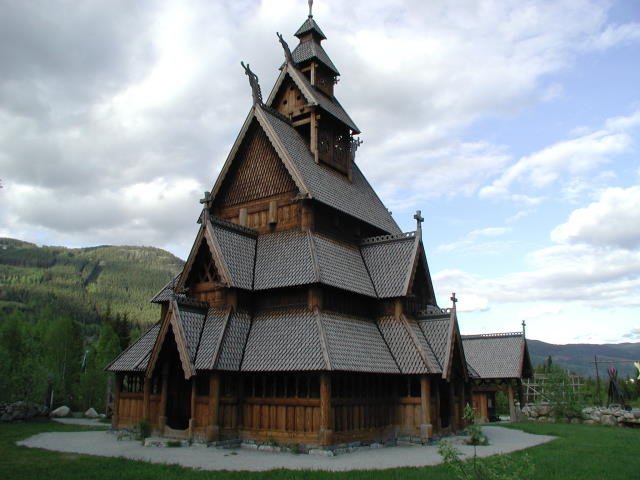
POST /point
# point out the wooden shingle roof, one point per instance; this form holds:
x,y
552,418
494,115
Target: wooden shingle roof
x,y
497,355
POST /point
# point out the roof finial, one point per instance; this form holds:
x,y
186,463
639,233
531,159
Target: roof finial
x,y
524,326
454,299
253,81
287,51
419,220
310,8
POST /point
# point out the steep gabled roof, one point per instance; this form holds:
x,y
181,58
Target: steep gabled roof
x,y
312,95
441,331
498,355
232,248
186,322
314,181
355,197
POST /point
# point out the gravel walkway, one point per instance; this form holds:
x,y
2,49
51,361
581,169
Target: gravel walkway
x,y
104,443
90,422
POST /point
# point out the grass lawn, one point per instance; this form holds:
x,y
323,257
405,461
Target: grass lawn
x,y
581,452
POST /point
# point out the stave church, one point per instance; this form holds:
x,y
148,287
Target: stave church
x,y
303,313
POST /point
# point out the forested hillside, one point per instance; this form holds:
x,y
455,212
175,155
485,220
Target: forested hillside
x,y
65,313
579,357
82,283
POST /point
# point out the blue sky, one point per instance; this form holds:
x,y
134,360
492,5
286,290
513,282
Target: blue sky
x,y
514,126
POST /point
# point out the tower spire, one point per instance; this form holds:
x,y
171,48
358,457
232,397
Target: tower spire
x,y
310,8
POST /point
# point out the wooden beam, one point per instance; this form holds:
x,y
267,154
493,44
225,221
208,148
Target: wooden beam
x,y
426,429
162,420
213,429
116,401
512,407
325,436
273,212
146,402
192,419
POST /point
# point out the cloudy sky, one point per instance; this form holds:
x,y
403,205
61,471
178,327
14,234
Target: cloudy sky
x,y
513,125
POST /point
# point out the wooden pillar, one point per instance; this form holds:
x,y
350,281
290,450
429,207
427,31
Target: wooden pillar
x,y
115,418
146,401
512,407
426,430
313,138
438,407
326,433
213,429
192,419
452,407
162,411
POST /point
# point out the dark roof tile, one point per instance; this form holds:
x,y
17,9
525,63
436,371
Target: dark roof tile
x,y
283,340
355,198
389,263
136,357
495,355
356,345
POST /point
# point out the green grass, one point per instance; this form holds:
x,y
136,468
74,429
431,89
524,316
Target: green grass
x,y
581,452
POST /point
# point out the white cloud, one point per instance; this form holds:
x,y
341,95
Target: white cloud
x,y
572,156
611,221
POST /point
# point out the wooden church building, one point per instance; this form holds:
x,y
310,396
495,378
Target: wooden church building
x,y
303,313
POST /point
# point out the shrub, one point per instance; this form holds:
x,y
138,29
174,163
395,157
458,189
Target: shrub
x,y
476,437
142,429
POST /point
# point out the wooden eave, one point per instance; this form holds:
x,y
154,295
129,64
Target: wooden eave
x,y
172,318
453,339
205,234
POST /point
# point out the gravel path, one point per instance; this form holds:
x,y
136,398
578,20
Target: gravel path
x,y
91,422
104,443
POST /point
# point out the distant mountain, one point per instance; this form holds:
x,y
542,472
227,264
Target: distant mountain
x,y
579,357
83,282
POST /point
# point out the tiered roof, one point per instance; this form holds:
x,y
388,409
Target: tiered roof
x,y
379,267
224,339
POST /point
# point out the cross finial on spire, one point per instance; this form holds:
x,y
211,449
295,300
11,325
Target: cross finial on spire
x,y
524,326
454,299
419,219
310,8
206,199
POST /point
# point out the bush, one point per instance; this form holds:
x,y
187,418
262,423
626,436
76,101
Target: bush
x,y
476,437
142,429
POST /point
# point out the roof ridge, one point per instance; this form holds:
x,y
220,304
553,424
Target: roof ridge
x,y
184,301
492,335
433,312
233,226
387,238
275,113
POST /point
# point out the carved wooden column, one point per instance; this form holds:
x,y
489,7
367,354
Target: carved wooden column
x,y
146,399
426,430
192,419
115,418
452,407
326,433
162,411
213,429
438,425
512,407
